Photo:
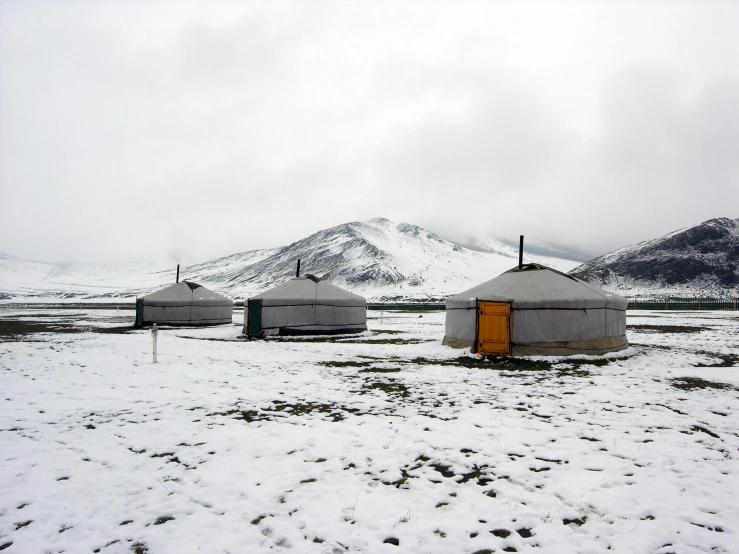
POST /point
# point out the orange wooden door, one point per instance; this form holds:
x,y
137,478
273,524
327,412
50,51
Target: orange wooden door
x,y
494,325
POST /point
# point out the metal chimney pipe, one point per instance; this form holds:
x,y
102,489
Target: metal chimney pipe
x,y
520,254
297,273
178,274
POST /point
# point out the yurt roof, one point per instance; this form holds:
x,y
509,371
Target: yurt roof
x,y
538,286
308,290
186,291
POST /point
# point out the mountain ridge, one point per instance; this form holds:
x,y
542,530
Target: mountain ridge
x,y
700,261
378,258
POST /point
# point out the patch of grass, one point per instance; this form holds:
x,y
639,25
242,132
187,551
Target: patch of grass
x,y
258,519
442,504
727,360
700,429
399,482
524,532
484,550
552,461
380,370
336,412
575,521
5,545
392,540
391,388
445,471
139,548
14,329
163,519
311,480
439,532
162,455
23,524
693,383
716,529
345,363
646,328
502,533
477,472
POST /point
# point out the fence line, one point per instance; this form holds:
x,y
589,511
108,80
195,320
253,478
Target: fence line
x,y
683,304
723,304
407,306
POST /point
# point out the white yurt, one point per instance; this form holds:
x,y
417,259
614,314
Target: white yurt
x,y
536,310
305,306
184,303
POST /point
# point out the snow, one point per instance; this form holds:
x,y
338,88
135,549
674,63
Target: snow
x,y
334,445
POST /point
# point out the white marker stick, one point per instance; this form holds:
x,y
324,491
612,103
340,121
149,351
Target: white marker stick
x,y
154,333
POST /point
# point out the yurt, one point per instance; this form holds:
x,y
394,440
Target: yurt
x,y
536,310
184,303
305,306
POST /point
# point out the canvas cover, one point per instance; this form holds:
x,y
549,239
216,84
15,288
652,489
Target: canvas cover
x,y
306,305
184,303
549,311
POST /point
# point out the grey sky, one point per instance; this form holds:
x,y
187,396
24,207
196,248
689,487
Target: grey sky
x,y
138,130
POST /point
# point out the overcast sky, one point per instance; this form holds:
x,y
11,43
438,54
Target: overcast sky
x,y
138,130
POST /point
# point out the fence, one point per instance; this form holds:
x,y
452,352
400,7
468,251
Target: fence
x,y
683,304
407,306
636,304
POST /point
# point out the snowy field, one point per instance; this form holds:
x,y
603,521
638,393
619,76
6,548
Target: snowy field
x,y
385,442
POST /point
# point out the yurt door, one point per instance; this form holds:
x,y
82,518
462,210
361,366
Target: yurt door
x,y
493,329
254,317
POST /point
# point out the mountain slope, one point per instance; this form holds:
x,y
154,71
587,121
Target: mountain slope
x,y
378,259
701,261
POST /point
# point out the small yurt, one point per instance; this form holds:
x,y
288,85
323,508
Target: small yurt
x,y
535,310
184,303
305,306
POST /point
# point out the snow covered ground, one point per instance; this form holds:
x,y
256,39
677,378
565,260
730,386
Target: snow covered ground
x,y
381,443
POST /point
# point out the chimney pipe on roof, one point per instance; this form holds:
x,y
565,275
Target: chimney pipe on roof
x,y
520,254
178,274
297,273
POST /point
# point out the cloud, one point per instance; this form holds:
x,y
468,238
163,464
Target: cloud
x,y
126,127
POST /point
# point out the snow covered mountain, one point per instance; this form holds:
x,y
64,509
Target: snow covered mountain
x,y
702,261
379,259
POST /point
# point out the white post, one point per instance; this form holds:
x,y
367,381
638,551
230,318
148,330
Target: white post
x,y
154,333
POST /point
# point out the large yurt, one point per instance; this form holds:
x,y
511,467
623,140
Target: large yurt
x,y
536,310
305,306
184,303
